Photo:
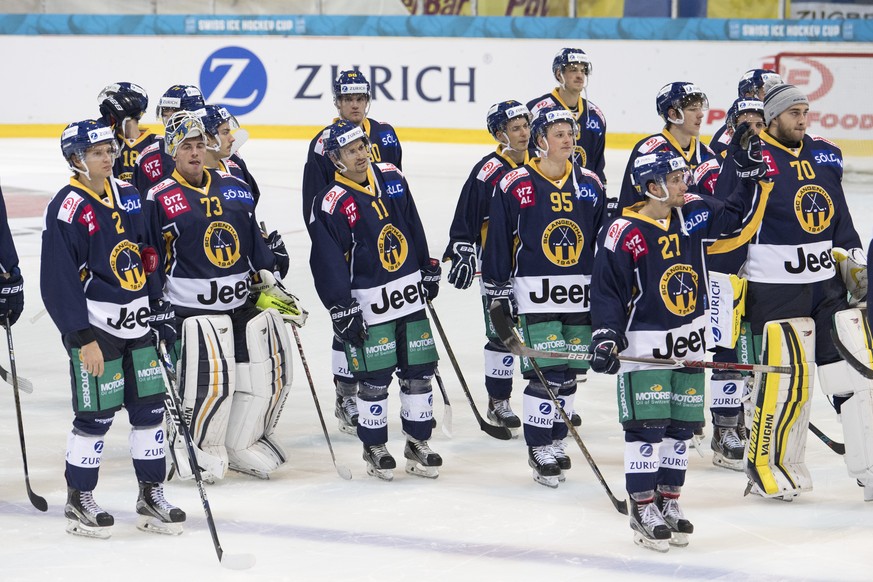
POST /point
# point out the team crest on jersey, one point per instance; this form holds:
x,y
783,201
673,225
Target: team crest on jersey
x,y
127,266
393,248
581,155
221,244
562,242
679,289
814,208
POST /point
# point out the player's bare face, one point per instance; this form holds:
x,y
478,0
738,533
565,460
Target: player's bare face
x,y
98,161
190,156
355,157
518,134
227,139
693,119
790,125
677,186
353,108
575,77
754,119
560,139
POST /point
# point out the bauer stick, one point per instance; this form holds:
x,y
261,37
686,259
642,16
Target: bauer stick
x,y
168,371
37,501
514,344
24,384
499,432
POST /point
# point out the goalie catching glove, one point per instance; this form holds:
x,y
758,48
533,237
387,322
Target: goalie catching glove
x,y
852,267
747,154
272,294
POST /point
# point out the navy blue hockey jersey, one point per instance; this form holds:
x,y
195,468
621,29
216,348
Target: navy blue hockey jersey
x,y
8,255
152,165
129,152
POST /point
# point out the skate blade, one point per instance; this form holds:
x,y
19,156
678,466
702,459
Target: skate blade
x,y
868,492
347,428
719,460
497,422
786,497
150,524
419,470
77,528
550,482
383,474
662,546
250,471
562,477
678,539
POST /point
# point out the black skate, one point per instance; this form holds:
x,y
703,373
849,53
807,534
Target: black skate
x,y
379,461
727,448
667,500
85,517
501,414
156,515
650,529
546,470
421,460
346,412
575,420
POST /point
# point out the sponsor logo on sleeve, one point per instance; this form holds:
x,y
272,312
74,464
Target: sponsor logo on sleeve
x,y
488,169
613,235
387,167
394,188
827,158
131,203
652,144
510,177
68,207
328,203
232,192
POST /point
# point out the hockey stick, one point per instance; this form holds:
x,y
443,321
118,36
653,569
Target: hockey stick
x,y
24,384
850,358
341,470
517,347
499,432
447,411
837,447
37,501
230,561
620,505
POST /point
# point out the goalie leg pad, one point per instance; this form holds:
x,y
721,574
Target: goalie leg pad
x,y
261,391
777,443
207,376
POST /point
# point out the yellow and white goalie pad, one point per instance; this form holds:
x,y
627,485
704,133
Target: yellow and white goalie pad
x,y
727,306
852,267
777,440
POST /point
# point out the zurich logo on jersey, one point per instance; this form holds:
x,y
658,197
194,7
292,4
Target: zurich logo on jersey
x,y
234,77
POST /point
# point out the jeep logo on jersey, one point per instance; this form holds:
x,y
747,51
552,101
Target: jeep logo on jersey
x,y
562,242
392,248
813,208
234,77
127,266
679,289
221,245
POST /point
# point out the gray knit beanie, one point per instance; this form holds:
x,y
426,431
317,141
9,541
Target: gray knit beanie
x,y
780,98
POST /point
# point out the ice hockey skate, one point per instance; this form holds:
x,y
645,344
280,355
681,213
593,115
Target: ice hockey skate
x,y
85,517
421,460
346,412
501,414
667,500
546,470
155,513
727,448
650,529
379,461
561,457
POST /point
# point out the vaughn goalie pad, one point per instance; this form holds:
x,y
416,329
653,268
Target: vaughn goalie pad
x,y
207,374
261,390
777,440
727,305
841,379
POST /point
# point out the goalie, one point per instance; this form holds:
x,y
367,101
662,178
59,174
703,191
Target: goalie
x,y
234,363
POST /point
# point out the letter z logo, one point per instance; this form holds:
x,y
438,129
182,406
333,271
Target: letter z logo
x,y
234,77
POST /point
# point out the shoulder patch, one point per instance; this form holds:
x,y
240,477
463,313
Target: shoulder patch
x,y
224,174
651,144
613,235
703,168
122,183
388,167
148,149
820,138
597,111
544,102
589,174
512,176
68,207
488,169
690,197
725,138
150,195
231,164
328,203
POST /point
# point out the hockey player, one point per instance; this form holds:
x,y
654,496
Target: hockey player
x,y
234,366
372,270
743,109
220,151
572,68
121,107
681,105
94,284
790,268
508,123
11,283
153,163
648,299
752,86
351,97
537,263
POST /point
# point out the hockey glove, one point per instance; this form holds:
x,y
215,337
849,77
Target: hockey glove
x,y
505,296
612,209
747,153
268,292
162,320
431,273
348,323
605,345
117,108
274,242
11,296
852,268
149,257
465,263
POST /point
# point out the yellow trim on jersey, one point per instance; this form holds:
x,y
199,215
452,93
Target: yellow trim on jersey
x,y
202,189
580,106
692,146
500,151
766,137
107,191
726,245
369,189
568,169
633,211
145,132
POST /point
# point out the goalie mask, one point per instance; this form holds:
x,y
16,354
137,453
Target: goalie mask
x,y
655,168
182,125
678,96
121,101
546,117
338,135
79,136
500,114
213,117
179,97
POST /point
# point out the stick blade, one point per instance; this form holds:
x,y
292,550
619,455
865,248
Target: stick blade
x,y
237,561
501,433
447,421
37,501
344,472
